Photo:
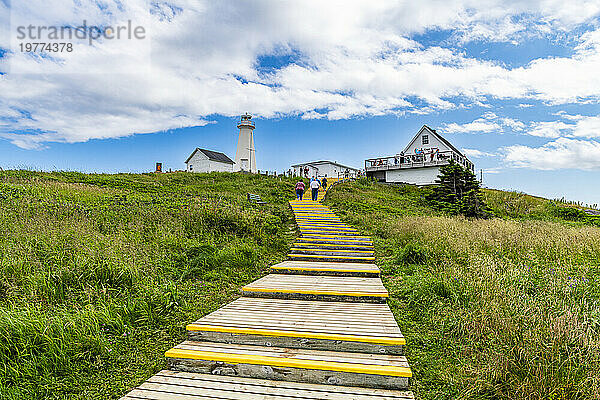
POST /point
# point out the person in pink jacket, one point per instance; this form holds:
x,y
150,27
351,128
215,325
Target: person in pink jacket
x,y
300,190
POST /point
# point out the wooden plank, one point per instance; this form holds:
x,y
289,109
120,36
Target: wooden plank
x,y
347,240
295,318
319,284
316,306
336,288
298,365
176,385
335,251
308,245
326,266
336,236
332,258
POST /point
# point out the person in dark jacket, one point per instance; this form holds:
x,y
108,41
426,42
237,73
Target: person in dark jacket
x,y
324,183
300,190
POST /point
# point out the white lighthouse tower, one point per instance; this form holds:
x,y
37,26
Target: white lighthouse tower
x,y
245,157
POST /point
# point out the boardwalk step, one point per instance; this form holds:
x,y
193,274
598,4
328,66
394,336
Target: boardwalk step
x,y
315,233
333,288
330,246
346,240
332,252
178,385
328,230
319,219
295,365
325,225
326,268
326,258
316,325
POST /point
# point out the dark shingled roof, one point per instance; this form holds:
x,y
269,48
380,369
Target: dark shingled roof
x,y
212,155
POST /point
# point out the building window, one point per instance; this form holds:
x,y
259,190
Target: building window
x,y
191,167
425,139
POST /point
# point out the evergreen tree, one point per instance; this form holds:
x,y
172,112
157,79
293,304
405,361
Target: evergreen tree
x,y
458,192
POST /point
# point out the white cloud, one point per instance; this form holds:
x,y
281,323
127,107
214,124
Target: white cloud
x,y
563,153
488,123
350,59
513,124
480,125
474,153
547,129
494,170
578,126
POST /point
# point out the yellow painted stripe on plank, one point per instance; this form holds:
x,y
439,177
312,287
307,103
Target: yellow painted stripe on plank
x,y
312,209
324,256
315,221
311,335
329,238
312,217
319,226
319,208
323,269
315,292
332,242
320,221
290,362
343,228
336,240
335,250
329,234
313,214
326,230
322,228
338,236
317,218
329,245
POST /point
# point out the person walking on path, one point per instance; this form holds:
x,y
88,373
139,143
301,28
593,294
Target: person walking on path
x,y
315,185
324,183
299,190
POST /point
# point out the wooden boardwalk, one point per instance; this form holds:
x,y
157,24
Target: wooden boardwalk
x,y
317,327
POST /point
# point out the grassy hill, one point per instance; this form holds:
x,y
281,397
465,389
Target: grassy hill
x,y
506,308
100,273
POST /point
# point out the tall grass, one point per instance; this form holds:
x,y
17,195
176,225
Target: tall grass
x,y
100,273
492,309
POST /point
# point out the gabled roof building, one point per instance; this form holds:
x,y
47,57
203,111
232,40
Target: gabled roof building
x,y
202,160
420,161
324,168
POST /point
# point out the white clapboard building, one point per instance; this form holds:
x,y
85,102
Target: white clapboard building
x,y
323,168
202,160
419,163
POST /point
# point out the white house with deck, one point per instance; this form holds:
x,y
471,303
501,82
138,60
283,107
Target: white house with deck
x,y
419,163
323,168
202,160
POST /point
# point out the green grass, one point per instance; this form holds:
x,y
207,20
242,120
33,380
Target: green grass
x,y
506,308
516,205
99,274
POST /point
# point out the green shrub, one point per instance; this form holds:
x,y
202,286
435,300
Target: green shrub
x,y
412,253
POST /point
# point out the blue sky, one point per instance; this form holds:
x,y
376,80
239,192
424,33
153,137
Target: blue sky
x,y
513,84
